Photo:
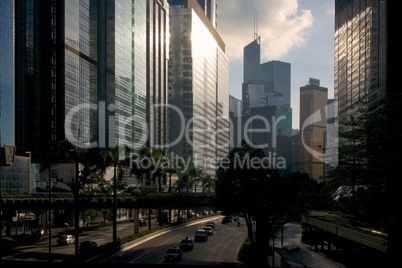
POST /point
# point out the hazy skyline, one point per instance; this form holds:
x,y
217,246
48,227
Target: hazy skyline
x,y
300,32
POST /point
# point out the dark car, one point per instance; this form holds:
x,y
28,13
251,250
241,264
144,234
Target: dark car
x,y
142,222
38,234
186,244
201,235
209,230
211,224
88,247
173,254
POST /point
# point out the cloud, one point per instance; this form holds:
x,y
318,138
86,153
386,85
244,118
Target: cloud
x,y
281,26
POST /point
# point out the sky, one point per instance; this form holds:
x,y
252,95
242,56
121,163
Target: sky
x,y
300,32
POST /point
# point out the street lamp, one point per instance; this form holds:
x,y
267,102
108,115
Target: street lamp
x,y
76,202
115,199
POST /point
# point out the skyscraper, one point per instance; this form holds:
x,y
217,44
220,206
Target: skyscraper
x,y
279,74
313,102
7,72
360,53
198,87
157,51
90,72
266,94
210,8
251,61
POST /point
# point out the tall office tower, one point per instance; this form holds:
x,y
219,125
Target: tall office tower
x,y
198,87
235,113
6,72
360,53
313,123
235,105
278,73
258,93
210,8
157,51
251,60
295,164
87,71
63,66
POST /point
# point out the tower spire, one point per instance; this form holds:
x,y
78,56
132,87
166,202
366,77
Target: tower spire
x,y
256,36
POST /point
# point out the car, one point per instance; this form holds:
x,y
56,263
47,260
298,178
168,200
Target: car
x,y
186,244
88,247
38,234
211,224
66,239
174,254
209,230
201,235
142,222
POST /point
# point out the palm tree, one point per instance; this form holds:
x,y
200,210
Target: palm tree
x,y
207,182
181,170
143,172
160,164
170,171
194,174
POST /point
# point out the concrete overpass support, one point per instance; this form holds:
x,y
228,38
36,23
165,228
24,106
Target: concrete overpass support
x,y
45,222
136,217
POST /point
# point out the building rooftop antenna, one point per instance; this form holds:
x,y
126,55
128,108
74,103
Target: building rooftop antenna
x,y
256,36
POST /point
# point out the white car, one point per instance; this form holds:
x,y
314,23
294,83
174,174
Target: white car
x,y
66,239
209,230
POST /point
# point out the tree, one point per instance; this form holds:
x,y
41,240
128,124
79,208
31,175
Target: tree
x,y
370,155
194,175
143,168
207,182
362,160
251,190
159,166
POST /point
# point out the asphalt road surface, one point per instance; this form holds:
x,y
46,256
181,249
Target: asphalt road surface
x,y
221,248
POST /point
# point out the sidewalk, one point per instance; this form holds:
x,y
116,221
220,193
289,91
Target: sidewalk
x,y
297,253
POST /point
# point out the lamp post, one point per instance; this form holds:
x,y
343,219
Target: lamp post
x,y
76,203
115,201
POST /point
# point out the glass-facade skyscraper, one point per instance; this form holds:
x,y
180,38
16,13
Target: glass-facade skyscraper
x,y
90,72
360,53
210,8
278,73
251,61
157,51
7,72
198,87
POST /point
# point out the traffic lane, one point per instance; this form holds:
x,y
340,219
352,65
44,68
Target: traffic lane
x,y
222,246
101,236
